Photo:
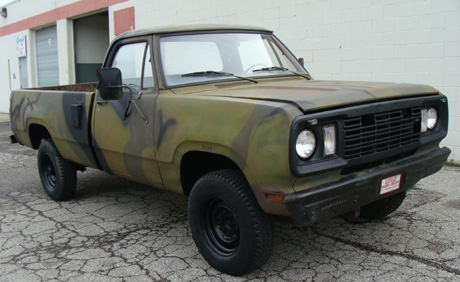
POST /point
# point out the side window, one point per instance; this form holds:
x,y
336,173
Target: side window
x,y
133,60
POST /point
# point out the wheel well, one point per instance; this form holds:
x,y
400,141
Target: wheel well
x,y
36,134
196,164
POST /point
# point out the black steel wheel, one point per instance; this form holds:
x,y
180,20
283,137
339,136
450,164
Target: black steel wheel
x,y
221,230
58,176
228,226
49,174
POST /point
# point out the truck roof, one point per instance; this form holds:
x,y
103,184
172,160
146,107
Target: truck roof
x,y
188,28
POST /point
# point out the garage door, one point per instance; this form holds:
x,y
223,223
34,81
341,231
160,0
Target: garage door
x,y
47,56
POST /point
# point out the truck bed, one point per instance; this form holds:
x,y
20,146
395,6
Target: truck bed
x,y
60,112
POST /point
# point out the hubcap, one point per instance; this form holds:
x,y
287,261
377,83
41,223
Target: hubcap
x,y
221,229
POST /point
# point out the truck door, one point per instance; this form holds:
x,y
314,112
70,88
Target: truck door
x,y
123,133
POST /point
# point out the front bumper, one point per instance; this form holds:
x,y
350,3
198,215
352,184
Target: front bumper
x,y
348,194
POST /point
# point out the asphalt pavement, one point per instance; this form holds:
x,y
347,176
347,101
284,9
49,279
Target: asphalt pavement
x,y
117,230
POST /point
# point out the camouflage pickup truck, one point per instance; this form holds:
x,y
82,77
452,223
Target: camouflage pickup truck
x,y
227,116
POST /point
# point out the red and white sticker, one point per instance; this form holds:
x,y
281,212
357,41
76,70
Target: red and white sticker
x,y
390,184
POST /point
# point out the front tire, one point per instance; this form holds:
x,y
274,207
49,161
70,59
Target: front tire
x,y
228,226
58,176
383,207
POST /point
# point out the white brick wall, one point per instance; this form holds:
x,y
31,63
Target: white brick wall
x,y
8,63
416,41
24,9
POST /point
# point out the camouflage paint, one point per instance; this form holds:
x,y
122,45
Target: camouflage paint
x,y
189,28
316,95
253,134
52,109
126,146
245,122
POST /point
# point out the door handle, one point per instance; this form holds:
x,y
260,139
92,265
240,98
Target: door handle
x,y
101,102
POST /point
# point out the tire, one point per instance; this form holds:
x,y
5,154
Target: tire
x,y
58,176
228,226
383,207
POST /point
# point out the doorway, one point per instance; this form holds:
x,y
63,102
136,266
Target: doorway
x,y
23,72
91,40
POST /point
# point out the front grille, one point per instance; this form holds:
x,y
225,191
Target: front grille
x,y
374,133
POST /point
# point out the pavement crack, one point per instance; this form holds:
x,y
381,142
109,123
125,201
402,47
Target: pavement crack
x,y
412,257
117,230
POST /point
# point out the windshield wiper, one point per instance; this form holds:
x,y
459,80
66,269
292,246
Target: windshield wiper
x,y
217,73
307,76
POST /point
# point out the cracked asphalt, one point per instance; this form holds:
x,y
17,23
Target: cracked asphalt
x,y
116,230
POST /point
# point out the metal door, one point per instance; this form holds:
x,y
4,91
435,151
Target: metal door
x,y
47,56
123,130
23,72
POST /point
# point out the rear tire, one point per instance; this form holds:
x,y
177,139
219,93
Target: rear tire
x,y
383,207
228,226
58,176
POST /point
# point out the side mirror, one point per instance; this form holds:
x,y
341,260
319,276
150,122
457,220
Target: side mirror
x,y
301,62
110,83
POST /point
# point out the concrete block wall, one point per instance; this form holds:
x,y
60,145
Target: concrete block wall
x,y
414,41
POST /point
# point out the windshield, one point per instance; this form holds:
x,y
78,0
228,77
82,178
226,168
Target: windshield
x,y
203,58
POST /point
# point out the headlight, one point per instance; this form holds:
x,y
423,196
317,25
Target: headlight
x,y
329,139
429,119
432,118
305,144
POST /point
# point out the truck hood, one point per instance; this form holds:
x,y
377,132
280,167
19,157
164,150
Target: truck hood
x,y
315,95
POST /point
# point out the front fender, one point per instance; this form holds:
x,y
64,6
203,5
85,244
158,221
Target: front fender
x,y
253,134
